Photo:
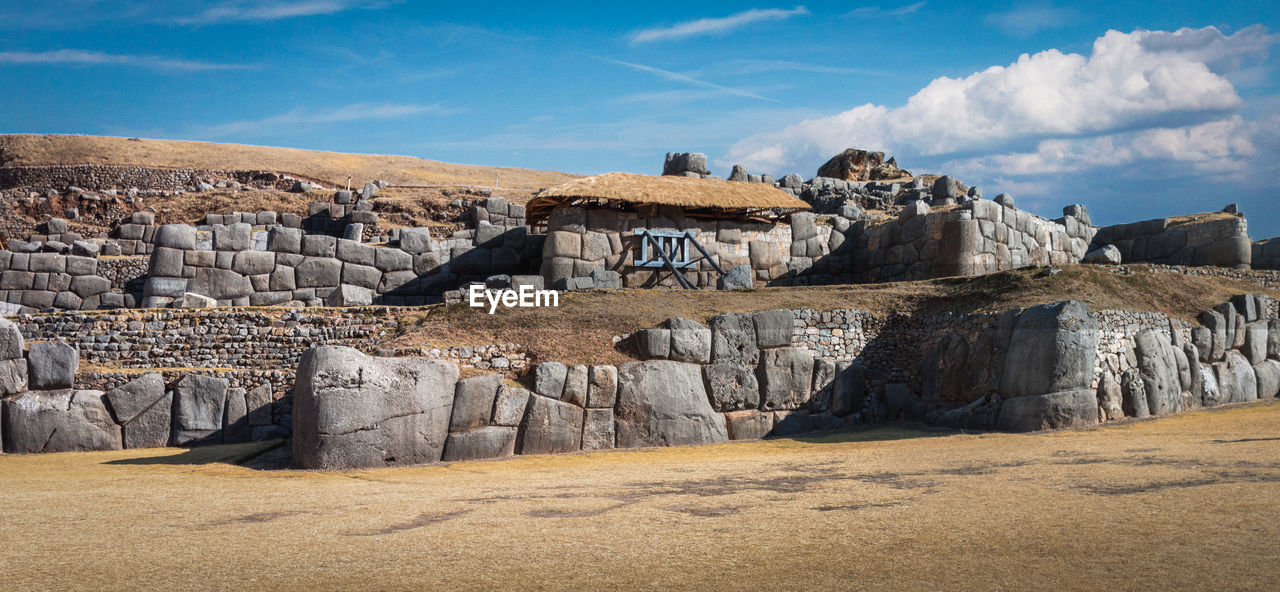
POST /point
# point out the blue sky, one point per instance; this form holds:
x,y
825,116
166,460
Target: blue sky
x,y
1142,110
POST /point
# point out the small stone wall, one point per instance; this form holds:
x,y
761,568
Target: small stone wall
x,y
50,280
99,177
1222,242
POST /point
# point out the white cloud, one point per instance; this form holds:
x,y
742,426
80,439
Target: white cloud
x,y
289,121
712,26
233,11
79,57
1025,21
1130,82
876,11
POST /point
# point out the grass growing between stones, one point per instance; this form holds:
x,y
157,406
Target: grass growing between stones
x,y
1185,502
582,328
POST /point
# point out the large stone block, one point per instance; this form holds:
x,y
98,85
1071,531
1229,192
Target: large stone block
x,y
11,341
1267,373
59,421
1056,350
1051,411
354,252
415,240
575,386
480,444
774,327
281,239
849,391
550,427
219,284
364,276
387,259
166,262
253,262
602,387
598,429
652,344
52,365
549,379
1157,363
151,428
86,286
508,407
1255,342
132,398
785,376
199,404
473,402
353,411
318,272
664,403
690,341
235,237
733,339
749,424
176,236
731,386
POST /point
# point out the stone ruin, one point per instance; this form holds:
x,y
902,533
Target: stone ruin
x,y
165,303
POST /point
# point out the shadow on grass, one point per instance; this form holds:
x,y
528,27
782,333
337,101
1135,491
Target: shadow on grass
x,y
234,454
877,433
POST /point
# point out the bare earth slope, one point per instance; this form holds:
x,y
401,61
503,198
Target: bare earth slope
x,y
41,150
1187,502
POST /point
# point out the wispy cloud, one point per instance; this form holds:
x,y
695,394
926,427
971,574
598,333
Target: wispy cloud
x,y
80,57
876,11
763,66
712,26
1025,21
685,78
234,11
290,120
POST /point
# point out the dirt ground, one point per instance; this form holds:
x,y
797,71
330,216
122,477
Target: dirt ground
x,y
1190,502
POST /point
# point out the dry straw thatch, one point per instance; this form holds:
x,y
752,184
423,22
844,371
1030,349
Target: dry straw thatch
x,y
685,192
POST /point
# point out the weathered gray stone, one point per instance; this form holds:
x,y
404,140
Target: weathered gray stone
x,y
508,407
550,426
386,259
785,376
130,399
59,421
253,262
235,237
319,245
1239,375
1158,367
733,339
652,344
602,387
1255,342
318,272
749,424
824,374
415,240
219,284
13,377
364,276
52,365
664,403
151,428
575,386
738,278
849,391
731,386
1273,339
1134,392
774,327
1216,324
11,341
598,430
235,418
790,423
549,379
1110,398
480,444
1056,352
199,402
349,295
473,402
1210,393
690,341
176,236
1108,255
1267,373
281,239
355,411
1051,411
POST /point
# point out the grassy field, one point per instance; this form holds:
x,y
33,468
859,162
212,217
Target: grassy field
x,y
1190,502
581,329
334,167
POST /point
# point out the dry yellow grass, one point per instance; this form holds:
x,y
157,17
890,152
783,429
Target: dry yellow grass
x,y
581,329
1182,503
24,150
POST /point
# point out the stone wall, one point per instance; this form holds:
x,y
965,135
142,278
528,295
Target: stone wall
x,y
49,280
1266,254
99,177
581,242
1219,242
976,237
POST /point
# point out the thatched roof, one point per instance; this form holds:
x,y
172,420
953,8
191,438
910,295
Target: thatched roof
x,y
696,195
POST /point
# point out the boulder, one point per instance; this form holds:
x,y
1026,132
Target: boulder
x,y
549,379
1210,393
678,163
1108,255
652,344
602,387
1056,351
193,300
1051,411
151,428
738,278
749,424
731,386
176,236
785,376
52,365
774,327
480,444
550,426
1134,392
848,393
1268,376
199,405
415,240
597,430
824,374
353,411
664,403
59,421
319,272
220,284
132,398
1158,367
690,341
1255,342
575,386
1110,398
508,406
473,402
733,339
349,295
1243,382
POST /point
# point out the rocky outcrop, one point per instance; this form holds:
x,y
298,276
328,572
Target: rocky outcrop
x,y
355,411
861,165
